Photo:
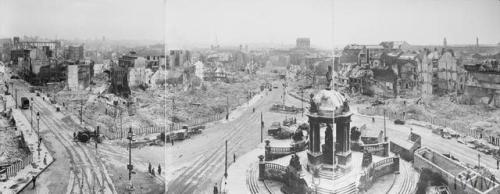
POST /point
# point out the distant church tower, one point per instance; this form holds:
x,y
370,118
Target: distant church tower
x,y
444,43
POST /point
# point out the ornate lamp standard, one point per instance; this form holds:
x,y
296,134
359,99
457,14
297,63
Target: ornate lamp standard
x,y
130,167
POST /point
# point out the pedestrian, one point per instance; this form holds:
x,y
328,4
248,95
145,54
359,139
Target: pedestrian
x,y
149,168
172,140
74,135
373,119
234,157
34,180
216,190
159,169
153,172
254,109
45,160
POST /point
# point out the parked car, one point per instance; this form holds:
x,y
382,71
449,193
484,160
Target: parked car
x,y
274,128
14,77
399,122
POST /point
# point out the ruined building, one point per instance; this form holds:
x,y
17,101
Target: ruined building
x,y
303,43
439,72
485,82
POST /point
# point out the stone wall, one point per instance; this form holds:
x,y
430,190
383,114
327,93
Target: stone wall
x,y
449,170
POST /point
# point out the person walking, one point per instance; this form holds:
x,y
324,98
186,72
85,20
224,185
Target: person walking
x,y
153,171
234,157
216,190
149,168
159,169
34,181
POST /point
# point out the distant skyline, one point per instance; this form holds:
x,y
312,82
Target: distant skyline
x,y
83,19
187,23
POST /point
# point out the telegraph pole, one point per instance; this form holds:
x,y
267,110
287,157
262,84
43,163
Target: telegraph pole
x,y
227,107
302,101
261,128
172,121
225,170
385,130
15,98
81,112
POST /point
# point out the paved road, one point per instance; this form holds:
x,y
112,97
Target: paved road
x,y
204,155
76,169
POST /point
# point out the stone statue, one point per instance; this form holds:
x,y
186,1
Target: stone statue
x,y
367,158
295,162
314,107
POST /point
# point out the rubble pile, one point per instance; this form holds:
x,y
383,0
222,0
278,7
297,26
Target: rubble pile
x,y
9,151
442,107
211,98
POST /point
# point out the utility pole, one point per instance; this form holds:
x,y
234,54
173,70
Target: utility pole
x,y
31,110
172,128
15,98
81,112
225,170
130,167
302,101
227,107
261,128
479,160
385,130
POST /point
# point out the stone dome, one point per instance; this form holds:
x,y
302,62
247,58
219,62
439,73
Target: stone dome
x,y
328,101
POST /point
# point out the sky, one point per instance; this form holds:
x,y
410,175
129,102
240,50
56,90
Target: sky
x,y
234,22
83,19
183,23
417,21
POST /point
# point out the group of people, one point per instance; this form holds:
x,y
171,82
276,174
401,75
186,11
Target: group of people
x,y
151,170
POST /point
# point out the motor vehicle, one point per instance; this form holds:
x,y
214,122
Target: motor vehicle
x,y
446,136
86,134
399,122
377,102
274,128
275,86
14,77
25,103
460,140
442,190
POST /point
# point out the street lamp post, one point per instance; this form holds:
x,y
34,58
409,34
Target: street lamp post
x,y
38,123
302,101
81,112
31,110
130,167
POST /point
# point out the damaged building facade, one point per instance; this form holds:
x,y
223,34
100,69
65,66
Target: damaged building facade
x,y
484,82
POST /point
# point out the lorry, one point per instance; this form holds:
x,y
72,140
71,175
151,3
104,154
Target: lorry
x,y
25,103
86,134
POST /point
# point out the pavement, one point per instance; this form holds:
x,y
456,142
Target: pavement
x,y
25,176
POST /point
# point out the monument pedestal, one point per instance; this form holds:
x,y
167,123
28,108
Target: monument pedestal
x,y
344,160
314,160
